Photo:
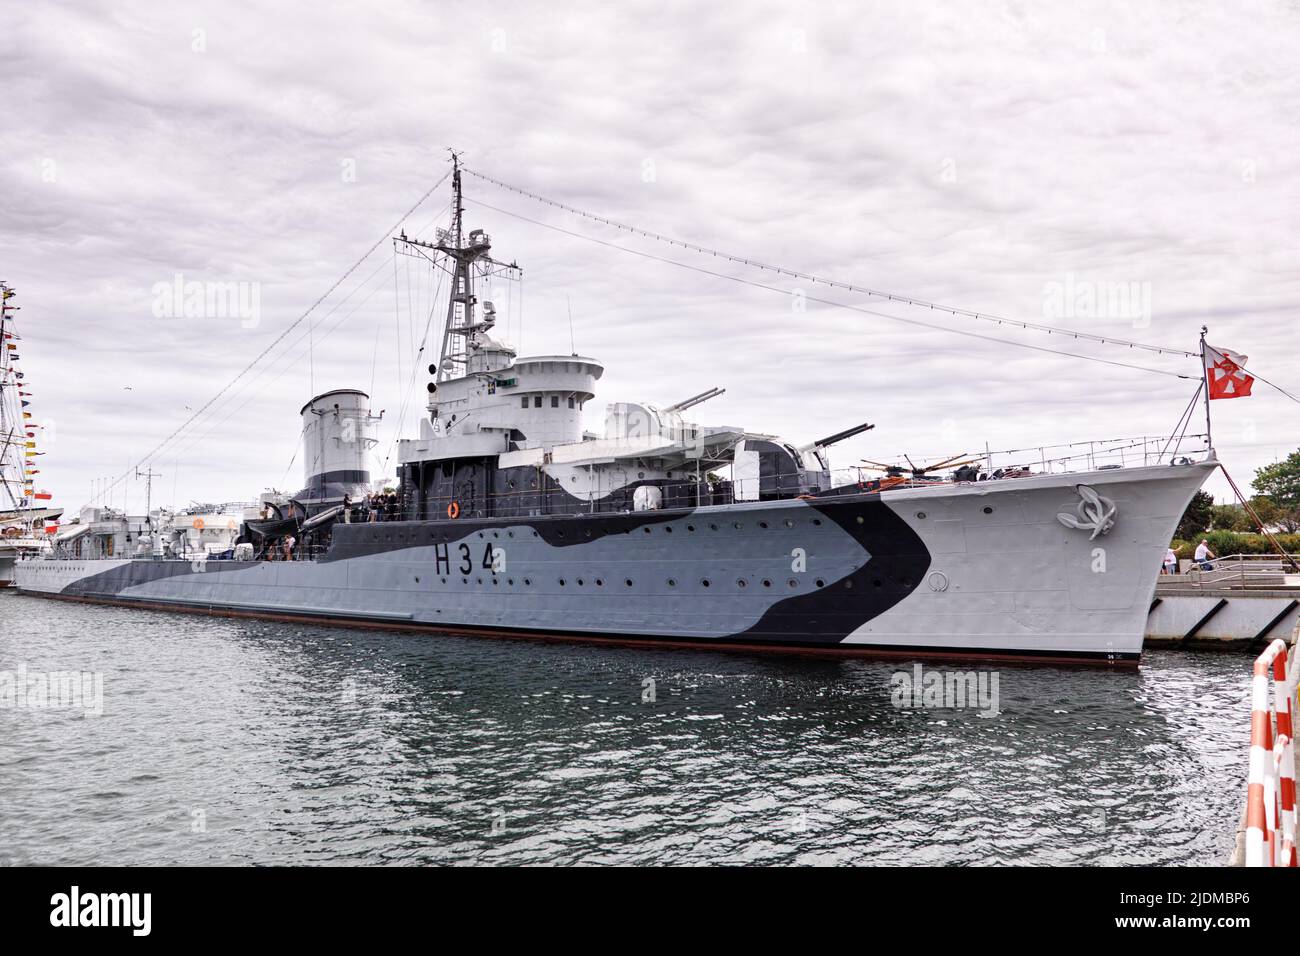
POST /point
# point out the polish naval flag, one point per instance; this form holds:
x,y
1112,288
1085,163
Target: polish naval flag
x,y
1225,373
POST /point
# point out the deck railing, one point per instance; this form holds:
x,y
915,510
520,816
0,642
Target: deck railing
x,y
1238,571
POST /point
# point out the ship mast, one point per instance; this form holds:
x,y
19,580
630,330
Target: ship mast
x,y
468,258
10,431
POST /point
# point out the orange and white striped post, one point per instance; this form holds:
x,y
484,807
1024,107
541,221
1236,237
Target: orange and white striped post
x,y
1271,789
1283,753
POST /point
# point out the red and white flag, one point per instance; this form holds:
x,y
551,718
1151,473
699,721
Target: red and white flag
x,y
1225,373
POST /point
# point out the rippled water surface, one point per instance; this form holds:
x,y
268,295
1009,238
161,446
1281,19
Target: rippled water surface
x,y
247,742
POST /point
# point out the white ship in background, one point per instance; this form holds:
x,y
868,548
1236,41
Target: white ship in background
x,y
26,520
510,520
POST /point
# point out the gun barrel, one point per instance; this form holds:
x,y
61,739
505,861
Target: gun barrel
x,y
695,400
841,436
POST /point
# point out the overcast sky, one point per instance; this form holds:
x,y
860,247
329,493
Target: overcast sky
x,y
981,155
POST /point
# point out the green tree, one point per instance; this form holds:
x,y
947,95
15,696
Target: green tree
x,y
1230,518
1280,481
1196,519
1267,510
1275,516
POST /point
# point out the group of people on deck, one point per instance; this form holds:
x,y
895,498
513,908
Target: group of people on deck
x,y
382,506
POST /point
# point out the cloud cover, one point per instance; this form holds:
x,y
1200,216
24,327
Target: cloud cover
x,y
966,154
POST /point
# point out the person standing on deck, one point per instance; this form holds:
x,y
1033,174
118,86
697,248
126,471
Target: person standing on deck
x,y
1204,554
1171,562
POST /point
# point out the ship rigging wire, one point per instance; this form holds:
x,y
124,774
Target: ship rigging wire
x,y
833,283
290,353
283,335
855,287
830,302
415,369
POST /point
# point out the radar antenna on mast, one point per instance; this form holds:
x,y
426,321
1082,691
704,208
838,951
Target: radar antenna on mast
x,y
469,259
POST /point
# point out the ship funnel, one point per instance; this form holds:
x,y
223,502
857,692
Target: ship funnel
x,y
337,435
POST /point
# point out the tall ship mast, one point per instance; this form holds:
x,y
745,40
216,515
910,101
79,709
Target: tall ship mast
x,y
24,515
509,519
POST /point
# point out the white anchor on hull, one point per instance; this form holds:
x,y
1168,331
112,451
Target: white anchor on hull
x,y
1093,512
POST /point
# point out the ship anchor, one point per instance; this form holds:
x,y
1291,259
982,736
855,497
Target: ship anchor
x,y
1093,512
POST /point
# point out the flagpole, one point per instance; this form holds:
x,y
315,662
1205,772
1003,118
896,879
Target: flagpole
x,y
1205,380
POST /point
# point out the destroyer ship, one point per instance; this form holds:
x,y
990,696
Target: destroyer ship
x,y
508,520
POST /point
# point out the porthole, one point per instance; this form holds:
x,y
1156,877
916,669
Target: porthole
x,y
848,585
705,582
561,582
762,524
559,534
740,582
672,583
789,523
464,580
496,582
478,581
646,529
794,583
921,515
668,529
860,519
528,582
580,582
877,583
628,582
510,534
767,582
510,581
690,527
817,522
821,583
988,510
417,580
600,583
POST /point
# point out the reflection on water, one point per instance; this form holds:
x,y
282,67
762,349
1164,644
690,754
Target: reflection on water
x,y
248,742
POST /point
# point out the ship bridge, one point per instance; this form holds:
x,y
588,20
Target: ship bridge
x,y
505,404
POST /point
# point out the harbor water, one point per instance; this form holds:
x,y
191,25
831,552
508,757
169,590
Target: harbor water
x,y
226,741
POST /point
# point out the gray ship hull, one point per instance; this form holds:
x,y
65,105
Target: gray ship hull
x,y
993,569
